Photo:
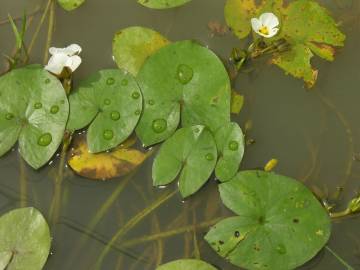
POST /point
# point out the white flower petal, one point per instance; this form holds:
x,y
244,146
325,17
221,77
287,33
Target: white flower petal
x,y
256,24
269,19
73,62
54,50
273,32
57,63
73,49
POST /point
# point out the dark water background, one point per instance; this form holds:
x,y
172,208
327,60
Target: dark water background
x,y
314,134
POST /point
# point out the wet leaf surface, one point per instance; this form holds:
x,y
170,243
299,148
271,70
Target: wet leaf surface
x,y
182,80
133,45
190,152
186,264
307,26
111,102
275,227
70,4
162,4
115,163
34,110
25,240
230,145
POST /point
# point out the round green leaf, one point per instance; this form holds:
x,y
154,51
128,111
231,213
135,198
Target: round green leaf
x,y
191,151
230,145
133,45
162,4
186,264
33,109
70,4
182,78
281,225
25,240
111,101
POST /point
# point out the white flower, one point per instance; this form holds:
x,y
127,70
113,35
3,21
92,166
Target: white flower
x,y
266,25
64,57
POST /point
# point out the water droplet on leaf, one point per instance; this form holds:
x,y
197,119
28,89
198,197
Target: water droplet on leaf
x,y
151,102
107,101
209,156
9,116
110,81
54,109
115,115
184,74
281,249
137,112
124,82
135,95
45,139
47,81
233,145
159,125
38,105
108,134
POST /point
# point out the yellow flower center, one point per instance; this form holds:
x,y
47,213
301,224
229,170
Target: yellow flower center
x,y
264,30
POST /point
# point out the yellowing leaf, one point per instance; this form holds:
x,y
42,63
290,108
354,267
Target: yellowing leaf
x,y
118,162
237,102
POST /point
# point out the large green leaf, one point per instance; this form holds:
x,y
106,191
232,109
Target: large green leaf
x,y
186,264
25,240
280,224
33,109
191,151
111,102
230,145
133,45
70,4
162,4
184,79
307,26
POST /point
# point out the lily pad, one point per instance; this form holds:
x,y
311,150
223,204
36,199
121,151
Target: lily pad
x,y
34,110
115,163
186,264
70,4
111,102
275,227
162,4
184,79
230,145
190,152
305,25
133,45
25,240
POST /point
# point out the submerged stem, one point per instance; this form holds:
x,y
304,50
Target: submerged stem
x,y
23,183
341,260
50,31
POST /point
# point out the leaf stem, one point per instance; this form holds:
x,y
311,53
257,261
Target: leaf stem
x,y
50,31
341,260
23,183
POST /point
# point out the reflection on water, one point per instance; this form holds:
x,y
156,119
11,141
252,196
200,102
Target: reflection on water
x,y
314,135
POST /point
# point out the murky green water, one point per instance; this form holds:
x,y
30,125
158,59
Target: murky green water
x,y
314,134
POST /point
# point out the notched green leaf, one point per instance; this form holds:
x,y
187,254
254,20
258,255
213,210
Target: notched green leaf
x,y
186,264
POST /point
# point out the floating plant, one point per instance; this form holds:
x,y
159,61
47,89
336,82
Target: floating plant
x,y
186,264
70,5
162,4
25,240
111,102
280,224
34,110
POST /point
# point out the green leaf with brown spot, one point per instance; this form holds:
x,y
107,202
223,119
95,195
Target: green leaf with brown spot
x,y
133,45
70,5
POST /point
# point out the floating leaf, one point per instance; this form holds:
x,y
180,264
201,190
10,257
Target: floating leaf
x,y
305,25
275,229
118,162
111,102
70,4
25,240
230,145
186,264
133,45
191,151
237,102
182,78
33,109
162,4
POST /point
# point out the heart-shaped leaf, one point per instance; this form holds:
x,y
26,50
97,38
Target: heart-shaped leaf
x,y
111,102
133,45
118,162
280,224
162,4
191,151
184,79
70,4
33,109
186,264
25,240
230,145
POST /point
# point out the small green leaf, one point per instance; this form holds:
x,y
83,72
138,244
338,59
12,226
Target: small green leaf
x,y
230,145
70,5
186,264
111,102
25,240
162,4
237,102
18,35
275,227
133,45
191,151
33,109
184,79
